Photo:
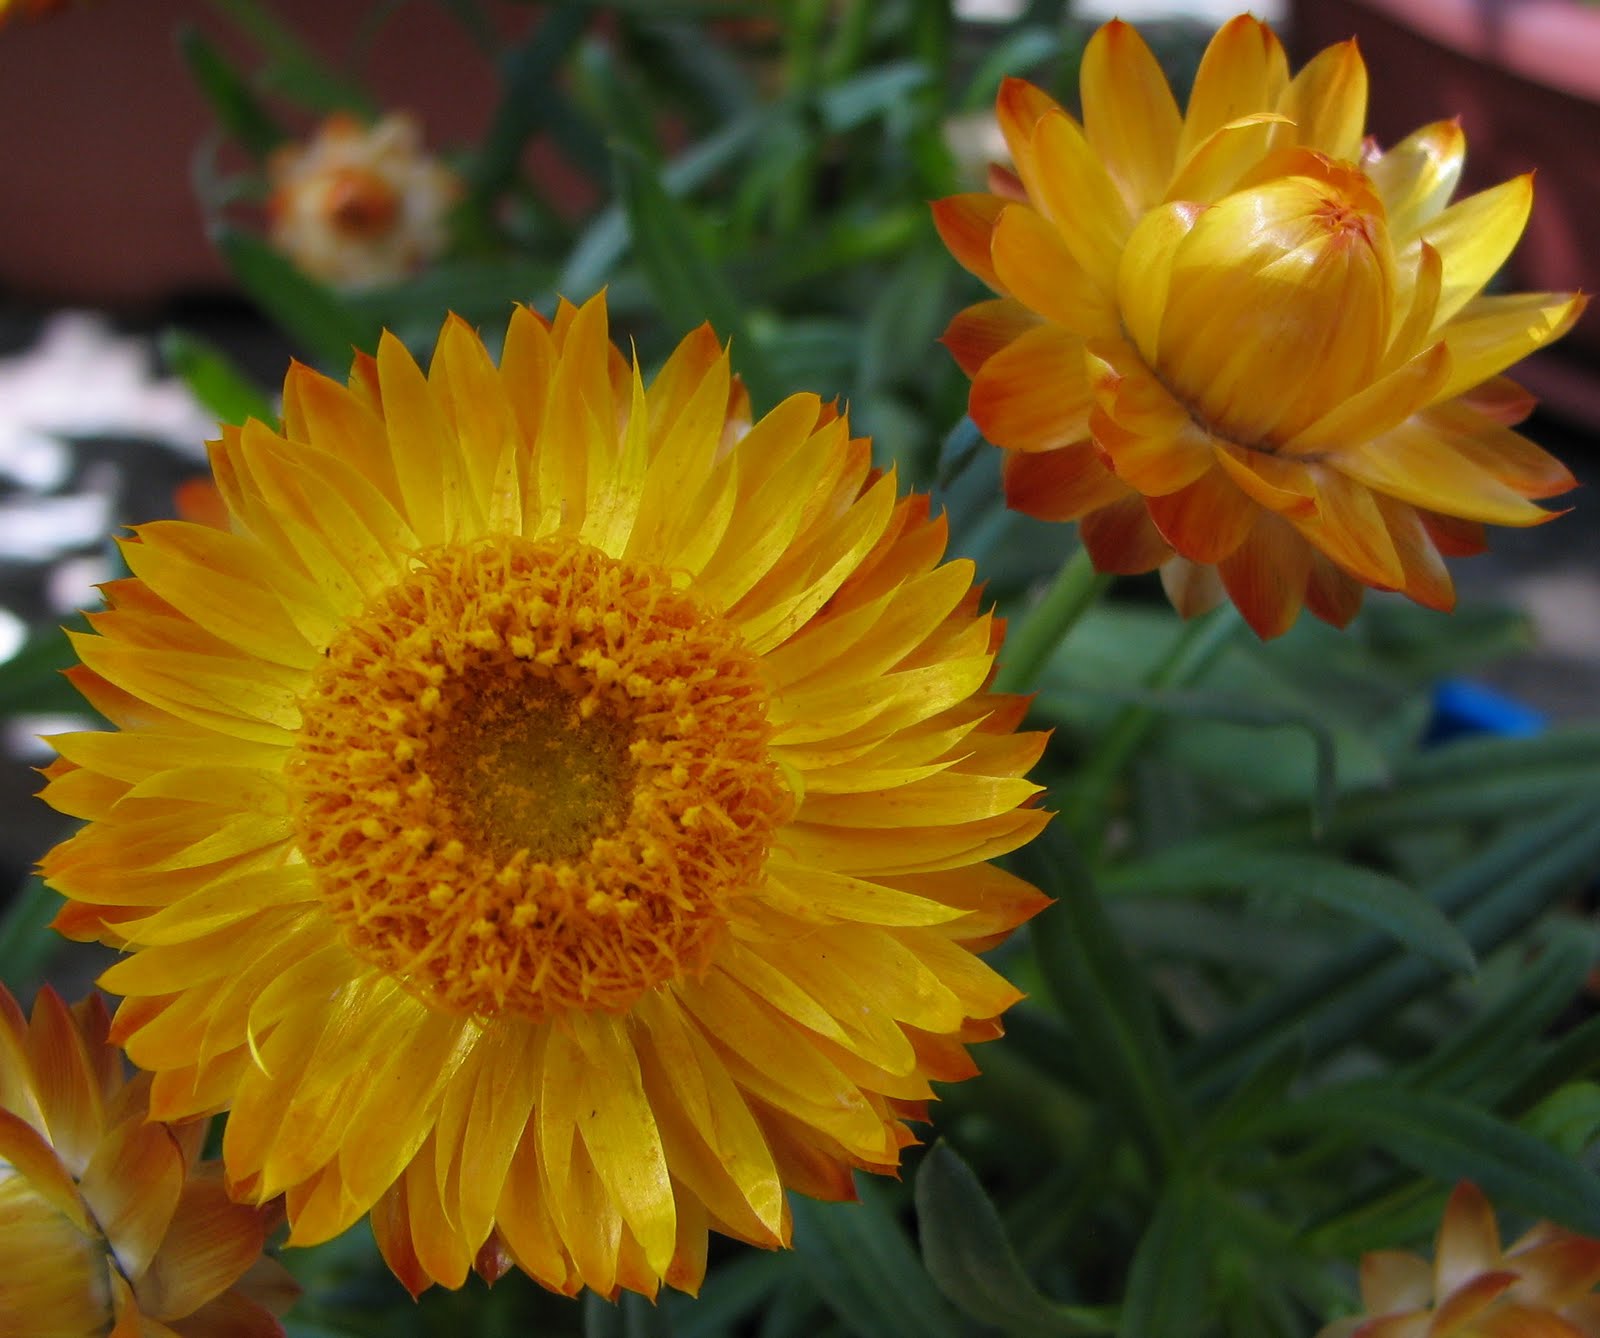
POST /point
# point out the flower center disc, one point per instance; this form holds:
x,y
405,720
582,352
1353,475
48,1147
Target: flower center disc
x,y
530,778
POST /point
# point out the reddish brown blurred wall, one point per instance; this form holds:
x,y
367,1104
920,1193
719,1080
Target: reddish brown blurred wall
x,y
101,121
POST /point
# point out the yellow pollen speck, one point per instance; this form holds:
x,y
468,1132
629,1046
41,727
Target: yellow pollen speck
x,y
576,771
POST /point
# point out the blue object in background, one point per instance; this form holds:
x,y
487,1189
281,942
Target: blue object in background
x,y
1461,706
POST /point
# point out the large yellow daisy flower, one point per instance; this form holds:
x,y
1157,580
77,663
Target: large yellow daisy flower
x,y
1240,342
553,816
110,1223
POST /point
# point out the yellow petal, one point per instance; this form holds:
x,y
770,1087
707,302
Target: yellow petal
x,y
621,1136
1244,71
822,897
1225,157
132,1185
426,462
26,1151
1145,274
1384,404
1417,177
501,1101
1327,101
1205,521
210,1244
1265,576
1350,529
69,1095
964,223
1071,187
1489,334
701,1089
1421,462
976,333
1039,270
472,395
1148,438
1019,107
1128,113
1416,318
1473,237
1033,395
210,575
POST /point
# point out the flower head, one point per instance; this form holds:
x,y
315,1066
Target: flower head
x,y
1242,344
361,205
108,1218
554,814
1542,1287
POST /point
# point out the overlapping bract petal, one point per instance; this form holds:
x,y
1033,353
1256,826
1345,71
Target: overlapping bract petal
x,y
589,1145
1251,321
1543,1284
109,1221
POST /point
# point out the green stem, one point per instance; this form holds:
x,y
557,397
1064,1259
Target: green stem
x,y
1076,589
1193,651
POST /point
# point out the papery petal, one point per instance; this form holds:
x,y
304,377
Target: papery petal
x,y
1128,113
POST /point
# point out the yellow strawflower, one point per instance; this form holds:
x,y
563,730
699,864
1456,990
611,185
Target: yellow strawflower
x,y
554,815
110,1223
1239,342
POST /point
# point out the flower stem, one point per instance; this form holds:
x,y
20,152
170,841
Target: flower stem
x,y
1076,589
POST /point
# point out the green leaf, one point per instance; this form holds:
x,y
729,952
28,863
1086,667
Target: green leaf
x,y
1166,1292
232,102
1451,1140
312,313
860,1261
735,1290
1014,54
528,82
606,239
905,319
971,1261
1374,899
1491,896
629,1316
688,285
480,291
32,679
1102,995
214,379
292,68
874,92
1574,1055
1262,1089
1480,1056
1569,1118
27,943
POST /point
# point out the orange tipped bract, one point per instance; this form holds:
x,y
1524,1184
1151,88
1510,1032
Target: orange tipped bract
x,y
111,1223
554,813
1242,344
1542,1286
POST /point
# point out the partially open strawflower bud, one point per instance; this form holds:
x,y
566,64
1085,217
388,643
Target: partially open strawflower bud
x,y
361,205
110,1223
1541,1287
1243,345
